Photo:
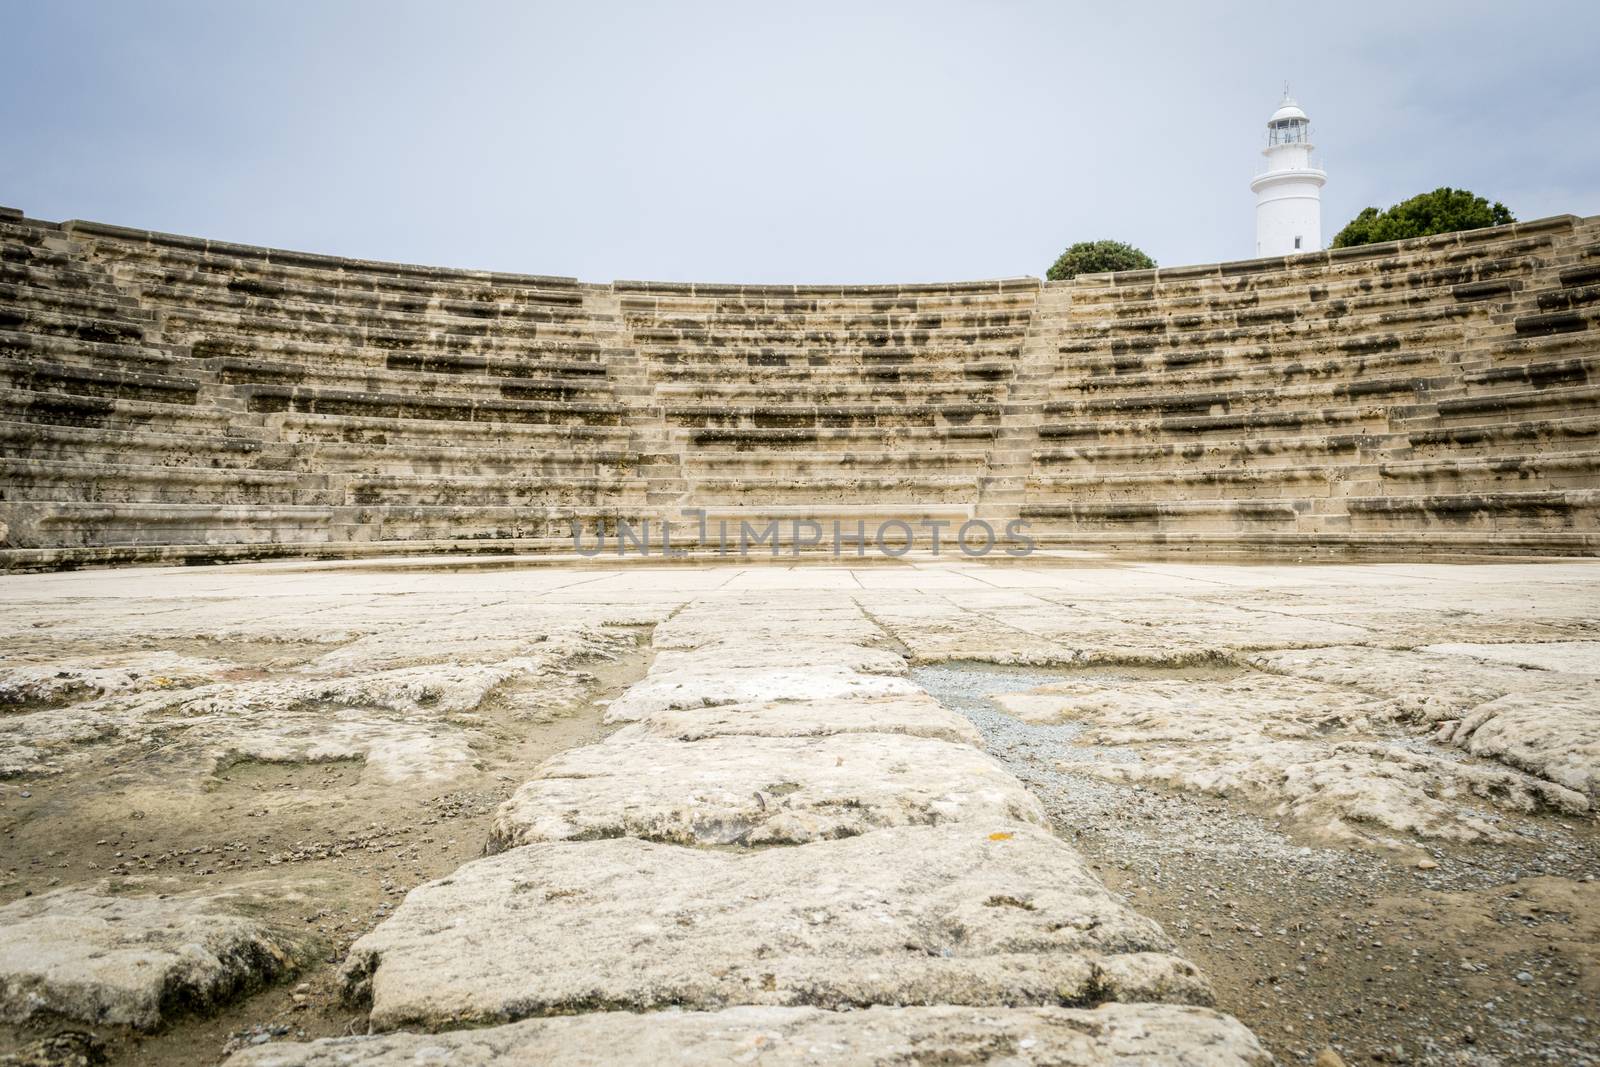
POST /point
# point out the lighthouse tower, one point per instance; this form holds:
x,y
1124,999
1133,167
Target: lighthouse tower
x,y
1289,191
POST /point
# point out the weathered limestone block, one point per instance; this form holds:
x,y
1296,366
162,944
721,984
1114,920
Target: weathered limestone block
x,y
759,790
1553,735
1528,705
917,715
437,690
1111,1035
1164,626
1144,710
965,913
744,653
703,684
24,686
1343,792
935,630
87,955
410,722
754,624
480,636
1567,657
296,721
1426,686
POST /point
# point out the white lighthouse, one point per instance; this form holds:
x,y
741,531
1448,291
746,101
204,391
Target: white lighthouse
x,y
1289,191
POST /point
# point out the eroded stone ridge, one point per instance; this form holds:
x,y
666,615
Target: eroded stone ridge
x,y
98,958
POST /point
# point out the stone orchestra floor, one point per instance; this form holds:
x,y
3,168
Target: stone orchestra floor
x,y
1056,811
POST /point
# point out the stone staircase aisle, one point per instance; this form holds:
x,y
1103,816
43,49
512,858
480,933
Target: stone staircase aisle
x,y
1003,489
649,437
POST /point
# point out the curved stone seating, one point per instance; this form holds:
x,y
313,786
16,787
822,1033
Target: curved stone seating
x,y
165,397
1212,404
354,402
775,395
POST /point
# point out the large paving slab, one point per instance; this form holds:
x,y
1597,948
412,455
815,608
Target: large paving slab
x,y
1532,706
759,790
915,714
404,701
1346,791
1112,1035
1344,763
707,685
738,651
1426,685
1120,711
97,957
1001,913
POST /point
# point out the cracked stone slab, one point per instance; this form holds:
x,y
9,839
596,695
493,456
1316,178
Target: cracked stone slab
x,y
755,623
704,685
1112,1035
406,723
759,790
1553,735
1530,706
99,958
936,630
1000,913
1140,710
1569,657
24,686
1344,792
740,653
918,715
1427,686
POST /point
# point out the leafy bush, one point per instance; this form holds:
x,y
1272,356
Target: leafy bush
x,y
1095,257
1445,210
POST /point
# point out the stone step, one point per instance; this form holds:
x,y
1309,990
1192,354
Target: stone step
x,y
412,406
1390,259
254,296
1302,332
1107,379
112,243
44,376
398,436
187,323
235,371
70,409
1499,278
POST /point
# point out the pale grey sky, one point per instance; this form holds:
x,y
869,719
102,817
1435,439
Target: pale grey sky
x,y
853,142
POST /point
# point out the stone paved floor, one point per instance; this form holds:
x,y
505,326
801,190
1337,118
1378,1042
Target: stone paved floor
x,y
1011,810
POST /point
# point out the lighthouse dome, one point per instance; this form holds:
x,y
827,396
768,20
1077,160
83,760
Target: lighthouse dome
x,y
1288,110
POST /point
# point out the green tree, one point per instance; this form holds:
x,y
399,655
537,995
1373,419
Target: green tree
x,y
1445,210
1095,257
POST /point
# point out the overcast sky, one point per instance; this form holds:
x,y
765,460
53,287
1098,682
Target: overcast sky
x,y
852,142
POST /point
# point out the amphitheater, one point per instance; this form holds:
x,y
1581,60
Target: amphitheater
x,y
1188,666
